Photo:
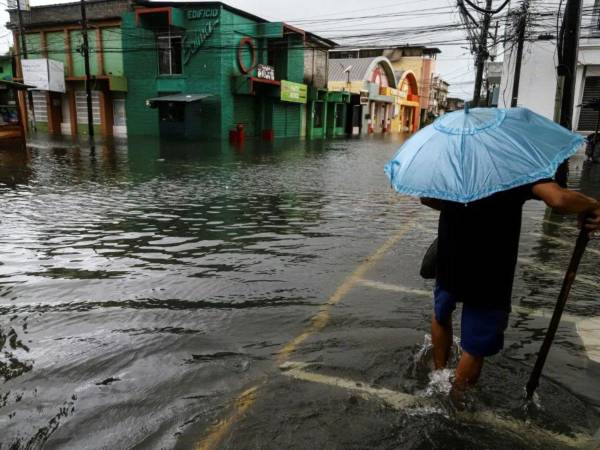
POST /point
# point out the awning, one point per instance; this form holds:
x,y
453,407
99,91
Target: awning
x,y
14,85
180,98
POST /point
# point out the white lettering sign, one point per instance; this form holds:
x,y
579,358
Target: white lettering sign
x,y
44,74
265,72
196,14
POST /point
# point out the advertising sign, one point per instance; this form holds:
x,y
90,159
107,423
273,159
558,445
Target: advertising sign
x,y
364,97
293,92
44,74
56,69
265,72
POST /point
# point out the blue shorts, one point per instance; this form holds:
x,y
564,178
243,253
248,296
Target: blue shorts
x,y
482,330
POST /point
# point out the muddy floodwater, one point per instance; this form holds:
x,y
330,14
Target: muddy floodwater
x,y
163,295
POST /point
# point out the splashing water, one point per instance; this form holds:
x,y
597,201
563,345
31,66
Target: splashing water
x,y
440,383
422,363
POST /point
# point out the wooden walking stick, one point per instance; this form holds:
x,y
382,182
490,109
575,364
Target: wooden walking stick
x,y
534,380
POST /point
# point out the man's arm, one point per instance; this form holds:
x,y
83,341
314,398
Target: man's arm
x,y
432,203
570,202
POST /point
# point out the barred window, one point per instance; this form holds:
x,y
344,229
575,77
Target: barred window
x,y
169,54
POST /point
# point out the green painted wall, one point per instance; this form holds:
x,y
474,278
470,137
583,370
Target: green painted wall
x,y
211,68
34,45
78,60
41,126
295,63
6,72
245,112
56,46
112,46
55,41
232,29
140,64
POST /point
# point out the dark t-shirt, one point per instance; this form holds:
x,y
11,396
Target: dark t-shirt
x,y
478,247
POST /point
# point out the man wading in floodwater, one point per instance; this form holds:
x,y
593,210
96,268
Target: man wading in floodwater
x,y
477,255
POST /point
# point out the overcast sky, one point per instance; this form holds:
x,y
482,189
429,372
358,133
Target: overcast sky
x,y
380,21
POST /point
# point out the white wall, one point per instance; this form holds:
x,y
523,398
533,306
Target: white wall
x,y
537,89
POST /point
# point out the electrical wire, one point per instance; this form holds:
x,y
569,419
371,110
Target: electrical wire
x,y
486,11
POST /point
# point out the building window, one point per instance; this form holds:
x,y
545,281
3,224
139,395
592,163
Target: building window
x,y
373,53
169,54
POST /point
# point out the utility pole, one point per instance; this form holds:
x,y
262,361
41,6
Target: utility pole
x,y
21,57
88,88
568,70
495,47
482,53
518,63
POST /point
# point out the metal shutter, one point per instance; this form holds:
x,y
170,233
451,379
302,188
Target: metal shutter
x,y
279,119
293,120
81,106
40,106
588,117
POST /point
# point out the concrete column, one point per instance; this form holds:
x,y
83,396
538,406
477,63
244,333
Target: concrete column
x,y
106,112
72,111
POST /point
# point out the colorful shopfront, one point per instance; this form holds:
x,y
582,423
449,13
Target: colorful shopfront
x,y
214,71
327,114
54,58
377,105
12,126
407,117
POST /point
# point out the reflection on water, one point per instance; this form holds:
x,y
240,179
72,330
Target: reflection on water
x,y
142,286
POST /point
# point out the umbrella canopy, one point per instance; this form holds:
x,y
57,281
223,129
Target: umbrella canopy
x,y
472,154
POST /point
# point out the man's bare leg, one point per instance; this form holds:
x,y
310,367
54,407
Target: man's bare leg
x,y
468,371
441,337
467,375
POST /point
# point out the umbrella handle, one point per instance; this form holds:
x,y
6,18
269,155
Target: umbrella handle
x,y
534,380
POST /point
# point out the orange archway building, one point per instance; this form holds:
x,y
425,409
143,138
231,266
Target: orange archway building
x,y
407,103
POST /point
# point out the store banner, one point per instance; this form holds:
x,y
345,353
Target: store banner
x,y
44,74
293,92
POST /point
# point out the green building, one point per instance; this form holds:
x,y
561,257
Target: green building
x,y
6,67
195,70
200,70
53,33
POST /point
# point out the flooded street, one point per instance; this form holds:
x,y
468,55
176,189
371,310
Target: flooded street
x,y
181,296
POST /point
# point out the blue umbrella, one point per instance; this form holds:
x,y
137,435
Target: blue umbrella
x,y
469,155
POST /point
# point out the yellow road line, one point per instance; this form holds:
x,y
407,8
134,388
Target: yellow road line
x,y
245,400
242,403
322,318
